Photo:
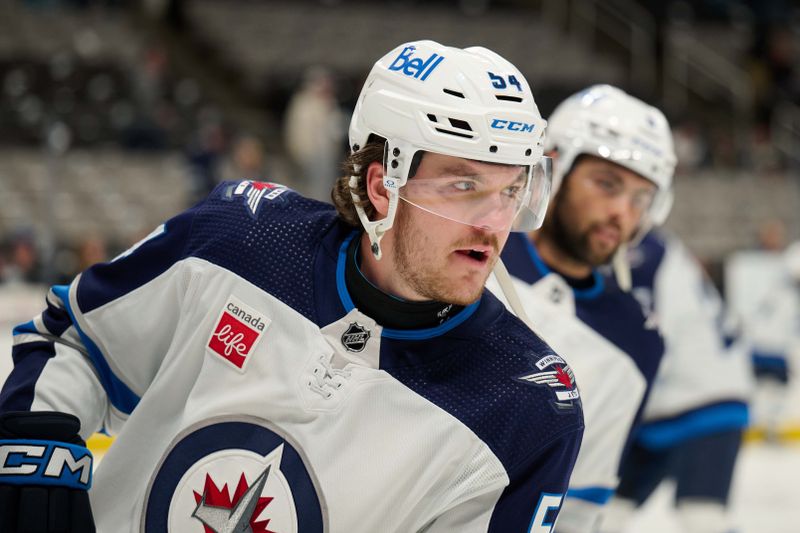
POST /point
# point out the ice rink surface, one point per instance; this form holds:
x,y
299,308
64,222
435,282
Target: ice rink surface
x,y
765,495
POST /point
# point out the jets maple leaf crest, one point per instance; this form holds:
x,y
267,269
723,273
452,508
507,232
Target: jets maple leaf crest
x,y
221,513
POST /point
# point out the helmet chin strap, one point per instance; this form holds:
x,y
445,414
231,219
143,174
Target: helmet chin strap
x,y
511,294
622,269
375,229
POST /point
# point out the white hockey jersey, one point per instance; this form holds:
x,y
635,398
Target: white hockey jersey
x,y
602,332
705,378
247,391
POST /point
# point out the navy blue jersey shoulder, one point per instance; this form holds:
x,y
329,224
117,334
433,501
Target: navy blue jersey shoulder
x,y
271,241
475,373
265,233
619,317
610,311
519,259
646,259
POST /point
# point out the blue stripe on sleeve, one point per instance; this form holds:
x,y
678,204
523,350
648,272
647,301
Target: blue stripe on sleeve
x,y
118,393
598,495
704,421
27,327
771,361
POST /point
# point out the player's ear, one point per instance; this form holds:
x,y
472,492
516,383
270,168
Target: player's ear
x,y
378,196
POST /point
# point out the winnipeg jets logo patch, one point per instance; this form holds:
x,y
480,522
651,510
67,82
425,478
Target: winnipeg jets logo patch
x,y
238,330
256,191
555,373
234,477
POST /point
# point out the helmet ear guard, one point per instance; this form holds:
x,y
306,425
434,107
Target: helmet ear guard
x,y
397,161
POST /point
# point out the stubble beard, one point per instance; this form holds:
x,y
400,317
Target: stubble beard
x,y
426,279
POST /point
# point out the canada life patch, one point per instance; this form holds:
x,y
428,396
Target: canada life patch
x,y
254,192
238,330
556,374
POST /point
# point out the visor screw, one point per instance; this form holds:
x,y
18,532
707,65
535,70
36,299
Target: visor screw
x,y
396,152
493,148
528,151
394,163
375,248
356,147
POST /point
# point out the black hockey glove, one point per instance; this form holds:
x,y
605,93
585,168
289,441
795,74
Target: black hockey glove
x,y
45,473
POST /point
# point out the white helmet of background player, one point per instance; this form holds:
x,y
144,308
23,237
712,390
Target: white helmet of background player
x,y
606,122
468,103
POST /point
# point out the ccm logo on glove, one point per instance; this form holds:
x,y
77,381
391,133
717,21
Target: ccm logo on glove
x,y
31,462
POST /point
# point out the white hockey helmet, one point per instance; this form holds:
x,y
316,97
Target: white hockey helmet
x,y
606,122
470,103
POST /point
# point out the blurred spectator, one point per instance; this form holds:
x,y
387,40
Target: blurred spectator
x,y
765,158
690,147
153,118
313,132
91,250
772,235
151,76
724,152
247,160
23,259
776,77
205,153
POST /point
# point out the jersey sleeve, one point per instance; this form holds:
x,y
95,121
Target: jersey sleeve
x,y
686,304
96,347
529,503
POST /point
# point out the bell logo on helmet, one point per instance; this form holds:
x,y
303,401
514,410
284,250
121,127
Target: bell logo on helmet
x,y
415,67
512,125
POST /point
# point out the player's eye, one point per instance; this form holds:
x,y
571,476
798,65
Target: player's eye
x,y
464,185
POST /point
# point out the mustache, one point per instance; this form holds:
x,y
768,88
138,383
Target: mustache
x,y
609,224
489,240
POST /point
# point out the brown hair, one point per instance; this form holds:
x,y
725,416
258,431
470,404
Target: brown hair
x,y
340,195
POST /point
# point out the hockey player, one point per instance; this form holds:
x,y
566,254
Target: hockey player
x,y
693,421
271,364
775,332
613,161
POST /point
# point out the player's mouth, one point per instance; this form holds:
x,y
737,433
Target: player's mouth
x,y
608,235
477,255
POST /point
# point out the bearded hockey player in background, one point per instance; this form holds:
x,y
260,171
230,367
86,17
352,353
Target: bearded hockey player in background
x,y
613,165
271,364
693,421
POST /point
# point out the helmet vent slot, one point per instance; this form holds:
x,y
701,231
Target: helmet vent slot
x,y
460,124
508,98
432,118
454,93
455,133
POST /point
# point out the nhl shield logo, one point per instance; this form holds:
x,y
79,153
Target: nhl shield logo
x,y
356,337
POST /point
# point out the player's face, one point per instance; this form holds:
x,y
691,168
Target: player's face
x,y
597,208
444,260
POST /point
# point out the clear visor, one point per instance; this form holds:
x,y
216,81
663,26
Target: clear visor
x,y
499,198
